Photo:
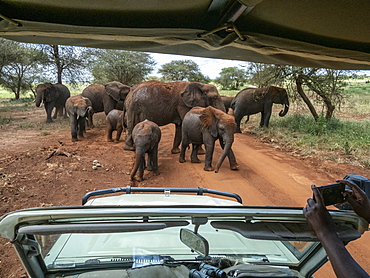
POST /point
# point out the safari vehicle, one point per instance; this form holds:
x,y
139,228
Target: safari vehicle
x,y
169,232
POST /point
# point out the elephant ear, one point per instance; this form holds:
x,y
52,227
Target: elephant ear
x,y
260,93
192,95
209,121
51,92
112,90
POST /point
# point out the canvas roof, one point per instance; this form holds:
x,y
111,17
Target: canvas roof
x,y
307,33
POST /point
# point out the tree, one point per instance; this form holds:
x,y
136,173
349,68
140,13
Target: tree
x,y
232,78
127,67
8,53
67,62
324,85
182,70
21,71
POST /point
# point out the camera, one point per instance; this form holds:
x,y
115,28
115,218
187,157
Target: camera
x,y
332,193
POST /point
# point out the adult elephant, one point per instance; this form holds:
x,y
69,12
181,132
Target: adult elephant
x,y
165,103
52,95
205,126
79,109
251,101
227,102
105,98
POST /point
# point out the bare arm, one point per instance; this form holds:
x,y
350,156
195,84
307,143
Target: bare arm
x,y
323,225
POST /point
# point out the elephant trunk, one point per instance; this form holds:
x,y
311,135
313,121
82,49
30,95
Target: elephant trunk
x,y
283,113
38,99
226,151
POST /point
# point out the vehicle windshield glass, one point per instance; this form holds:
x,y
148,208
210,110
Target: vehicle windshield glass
x,y
140,248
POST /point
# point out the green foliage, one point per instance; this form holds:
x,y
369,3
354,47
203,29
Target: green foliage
x,y
232,78
127,67
66,63
346,137
20,66
182,70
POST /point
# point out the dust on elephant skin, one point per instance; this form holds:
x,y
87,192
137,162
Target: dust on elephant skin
x,y
165,103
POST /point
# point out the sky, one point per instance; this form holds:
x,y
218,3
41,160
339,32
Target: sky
x,y
208,66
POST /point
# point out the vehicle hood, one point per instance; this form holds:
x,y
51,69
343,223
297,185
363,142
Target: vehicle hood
x,y
306,33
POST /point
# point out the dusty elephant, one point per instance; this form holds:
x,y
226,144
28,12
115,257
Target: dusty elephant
x,y
205,126
165,103
259,100
52,95
79,109
114,122
105,98
227,102
146,136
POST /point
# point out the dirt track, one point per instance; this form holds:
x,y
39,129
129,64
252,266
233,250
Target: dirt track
x,y
39,170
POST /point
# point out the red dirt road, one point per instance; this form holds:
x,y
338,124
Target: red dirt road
x,y
49,170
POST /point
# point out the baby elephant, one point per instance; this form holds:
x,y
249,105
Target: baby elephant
x,y
114,121
146,136
205,126
79,109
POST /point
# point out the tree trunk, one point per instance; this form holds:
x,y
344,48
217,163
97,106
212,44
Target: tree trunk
x,y
58,62
298,81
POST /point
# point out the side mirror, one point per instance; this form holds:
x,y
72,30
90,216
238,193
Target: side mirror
x,y
194,241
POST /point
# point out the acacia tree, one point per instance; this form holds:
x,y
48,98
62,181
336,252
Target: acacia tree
x,y
67,62
127,67
23,69
324,85
232,78
182,70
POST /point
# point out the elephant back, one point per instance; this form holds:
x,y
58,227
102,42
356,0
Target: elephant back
x,y
64,93
95,92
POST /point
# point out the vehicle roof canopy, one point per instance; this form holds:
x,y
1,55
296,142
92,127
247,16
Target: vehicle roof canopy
x,y
307,33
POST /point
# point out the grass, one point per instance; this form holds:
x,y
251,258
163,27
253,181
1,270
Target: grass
x,y
334,140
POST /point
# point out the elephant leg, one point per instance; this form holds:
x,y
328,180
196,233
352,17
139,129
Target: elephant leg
x,y
262,119
153,160
119,132
238,120
265,118
140,171
177,139
182,153
81,126
129,143
208,159
194,153
109,134
48,109
73,123
232,160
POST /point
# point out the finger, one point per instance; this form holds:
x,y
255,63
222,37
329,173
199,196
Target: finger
x,y
353,186
310,202
317,195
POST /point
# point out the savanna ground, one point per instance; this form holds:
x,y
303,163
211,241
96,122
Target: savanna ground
x,y
40,166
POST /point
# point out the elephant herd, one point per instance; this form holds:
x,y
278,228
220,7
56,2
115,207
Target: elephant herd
x,y
201,116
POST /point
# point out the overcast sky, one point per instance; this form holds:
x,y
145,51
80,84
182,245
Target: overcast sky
x,y
209,67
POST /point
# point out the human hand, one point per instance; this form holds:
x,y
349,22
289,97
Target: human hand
x,y
318,216
358,199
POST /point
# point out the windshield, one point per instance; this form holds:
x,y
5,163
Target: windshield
x,y
140,248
